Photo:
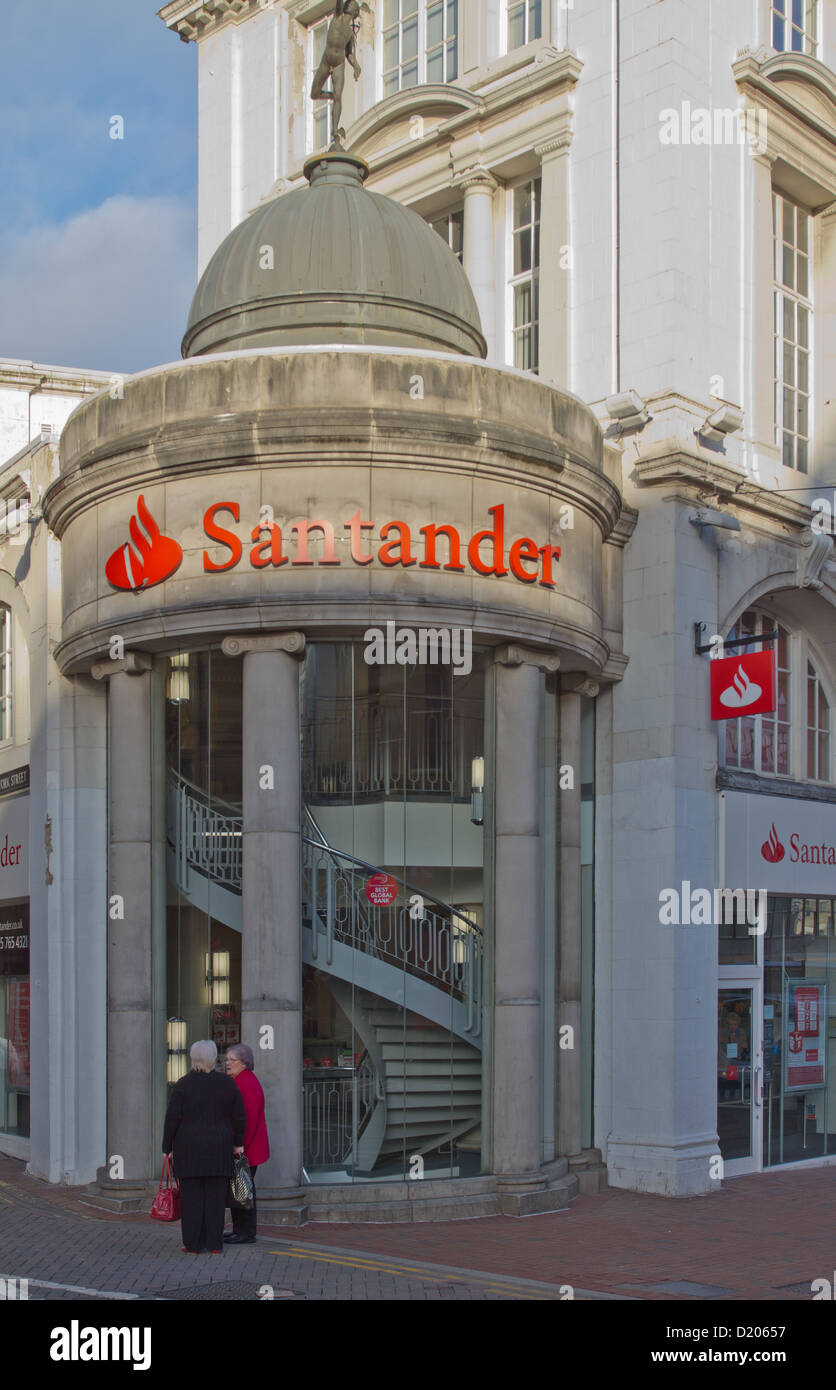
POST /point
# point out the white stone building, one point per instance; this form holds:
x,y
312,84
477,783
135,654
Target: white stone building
x,y
643,197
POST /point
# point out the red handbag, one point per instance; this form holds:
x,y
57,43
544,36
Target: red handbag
x,y
166,1205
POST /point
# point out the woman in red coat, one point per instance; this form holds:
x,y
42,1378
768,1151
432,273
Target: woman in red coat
x,y
239,1065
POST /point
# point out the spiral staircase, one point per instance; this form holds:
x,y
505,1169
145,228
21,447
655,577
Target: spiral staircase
x,y
406,974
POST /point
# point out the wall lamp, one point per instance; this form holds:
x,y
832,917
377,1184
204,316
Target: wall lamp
x,y
177,1063
477,791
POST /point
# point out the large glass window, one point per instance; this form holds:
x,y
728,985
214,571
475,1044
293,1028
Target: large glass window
x,y
392,917
525,275
799,1030
818,728
420,43
450,228
6,672
204,855
795,26
14,1019
524,22
794,740
793,331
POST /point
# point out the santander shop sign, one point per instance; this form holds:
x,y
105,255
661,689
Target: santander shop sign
x,y
147,557
781,844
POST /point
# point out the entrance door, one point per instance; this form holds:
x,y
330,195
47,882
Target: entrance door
x,y
740,1076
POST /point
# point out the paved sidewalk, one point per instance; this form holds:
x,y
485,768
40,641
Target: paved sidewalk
x,y
762,1237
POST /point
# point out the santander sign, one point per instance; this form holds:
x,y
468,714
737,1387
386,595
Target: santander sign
x,y
801,851
150,557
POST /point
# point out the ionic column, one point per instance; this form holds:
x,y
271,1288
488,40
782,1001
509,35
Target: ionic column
x,y
569,1060
518,928
129,979
271,946
555,254
478,254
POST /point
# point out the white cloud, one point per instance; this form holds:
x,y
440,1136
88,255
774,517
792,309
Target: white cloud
x,y
109,289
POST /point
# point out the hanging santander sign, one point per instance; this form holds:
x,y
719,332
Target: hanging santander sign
x,y
743,684
148,557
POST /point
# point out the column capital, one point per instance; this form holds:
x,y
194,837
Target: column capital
x,y
513,655
477,176
291,642
555,144
132,664
575,683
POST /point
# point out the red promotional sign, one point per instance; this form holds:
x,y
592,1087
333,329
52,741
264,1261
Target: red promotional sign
x,y
381,889
743,684
807,1011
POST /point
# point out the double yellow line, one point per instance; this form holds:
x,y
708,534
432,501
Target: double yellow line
x,y
402,1271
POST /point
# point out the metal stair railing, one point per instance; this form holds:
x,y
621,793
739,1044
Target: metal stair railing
x,y
426,937
436,943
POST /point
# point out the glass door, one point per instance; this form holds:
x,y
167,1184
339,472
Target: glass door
x,y
740,1075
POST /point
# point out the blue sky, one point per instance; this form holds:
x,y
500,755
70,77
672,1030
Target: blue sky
x,y
97,236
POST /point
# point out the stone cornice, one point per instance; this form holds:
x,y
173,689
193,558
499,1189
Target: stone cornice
x,y
796,131
43,379
468,134
695,478
191,19
431,96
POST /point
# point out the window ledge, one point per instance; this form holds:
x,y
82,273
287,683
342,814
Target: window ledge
x,y
731,779
510,62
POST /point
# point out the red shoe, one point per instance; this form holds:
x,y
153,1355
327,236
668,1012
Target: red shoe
x,y
216,1252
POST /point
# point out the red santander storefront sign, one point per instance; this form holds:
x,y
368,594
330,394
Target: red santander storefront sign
x,y
743,685
147,556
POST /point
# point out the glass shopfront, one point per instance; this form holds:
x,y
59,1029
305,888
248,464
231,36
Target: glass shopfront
x,y
14,1019
776,1062
393,772
393,777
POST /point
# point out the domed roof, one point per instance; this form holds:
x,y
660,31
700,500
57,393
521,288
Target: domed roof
x,y
334,263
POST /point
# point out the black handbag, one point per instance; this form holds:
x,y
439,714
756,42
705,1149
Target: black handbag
x,y
241,1185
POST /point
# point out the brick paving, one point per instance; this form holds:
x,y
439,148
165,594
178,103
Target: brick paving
x,y
764,1237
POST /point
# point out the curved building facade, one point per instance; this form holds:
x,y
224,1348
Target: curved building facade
x,y
348,600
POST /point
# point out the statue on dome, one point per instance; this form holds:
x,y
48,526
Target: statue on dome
x,y
340,43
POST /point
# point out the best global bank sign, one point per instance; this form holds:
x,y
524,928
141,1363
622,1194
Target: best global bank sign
x,y
781,844
147,557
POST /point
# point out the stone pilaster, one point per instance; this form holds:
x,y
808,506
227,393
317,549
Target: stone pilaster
x,y
271,948
570,1060
129,955
517,1061
555,259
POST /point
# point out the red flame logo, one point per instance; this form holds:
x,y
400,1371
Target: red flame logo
x,y
151,559
741,692
772,849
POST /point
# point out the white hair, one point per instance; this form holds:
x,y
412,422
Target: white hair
x,y
204,1055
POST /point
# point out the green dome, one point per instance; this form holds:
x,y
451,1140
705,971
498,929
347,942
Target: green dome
x,y
348,266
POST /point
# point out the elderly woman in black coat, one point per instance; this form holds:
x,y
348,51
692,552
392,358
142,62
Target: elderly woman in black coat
x,y
204,1128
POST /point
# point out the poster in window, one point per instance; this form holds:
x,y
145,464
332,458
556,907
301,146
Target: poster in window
x,y
18,1019
805,1049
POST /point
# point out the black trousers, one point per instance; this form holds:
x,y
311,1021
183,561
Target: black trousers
x,y
243,1221
202,1202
